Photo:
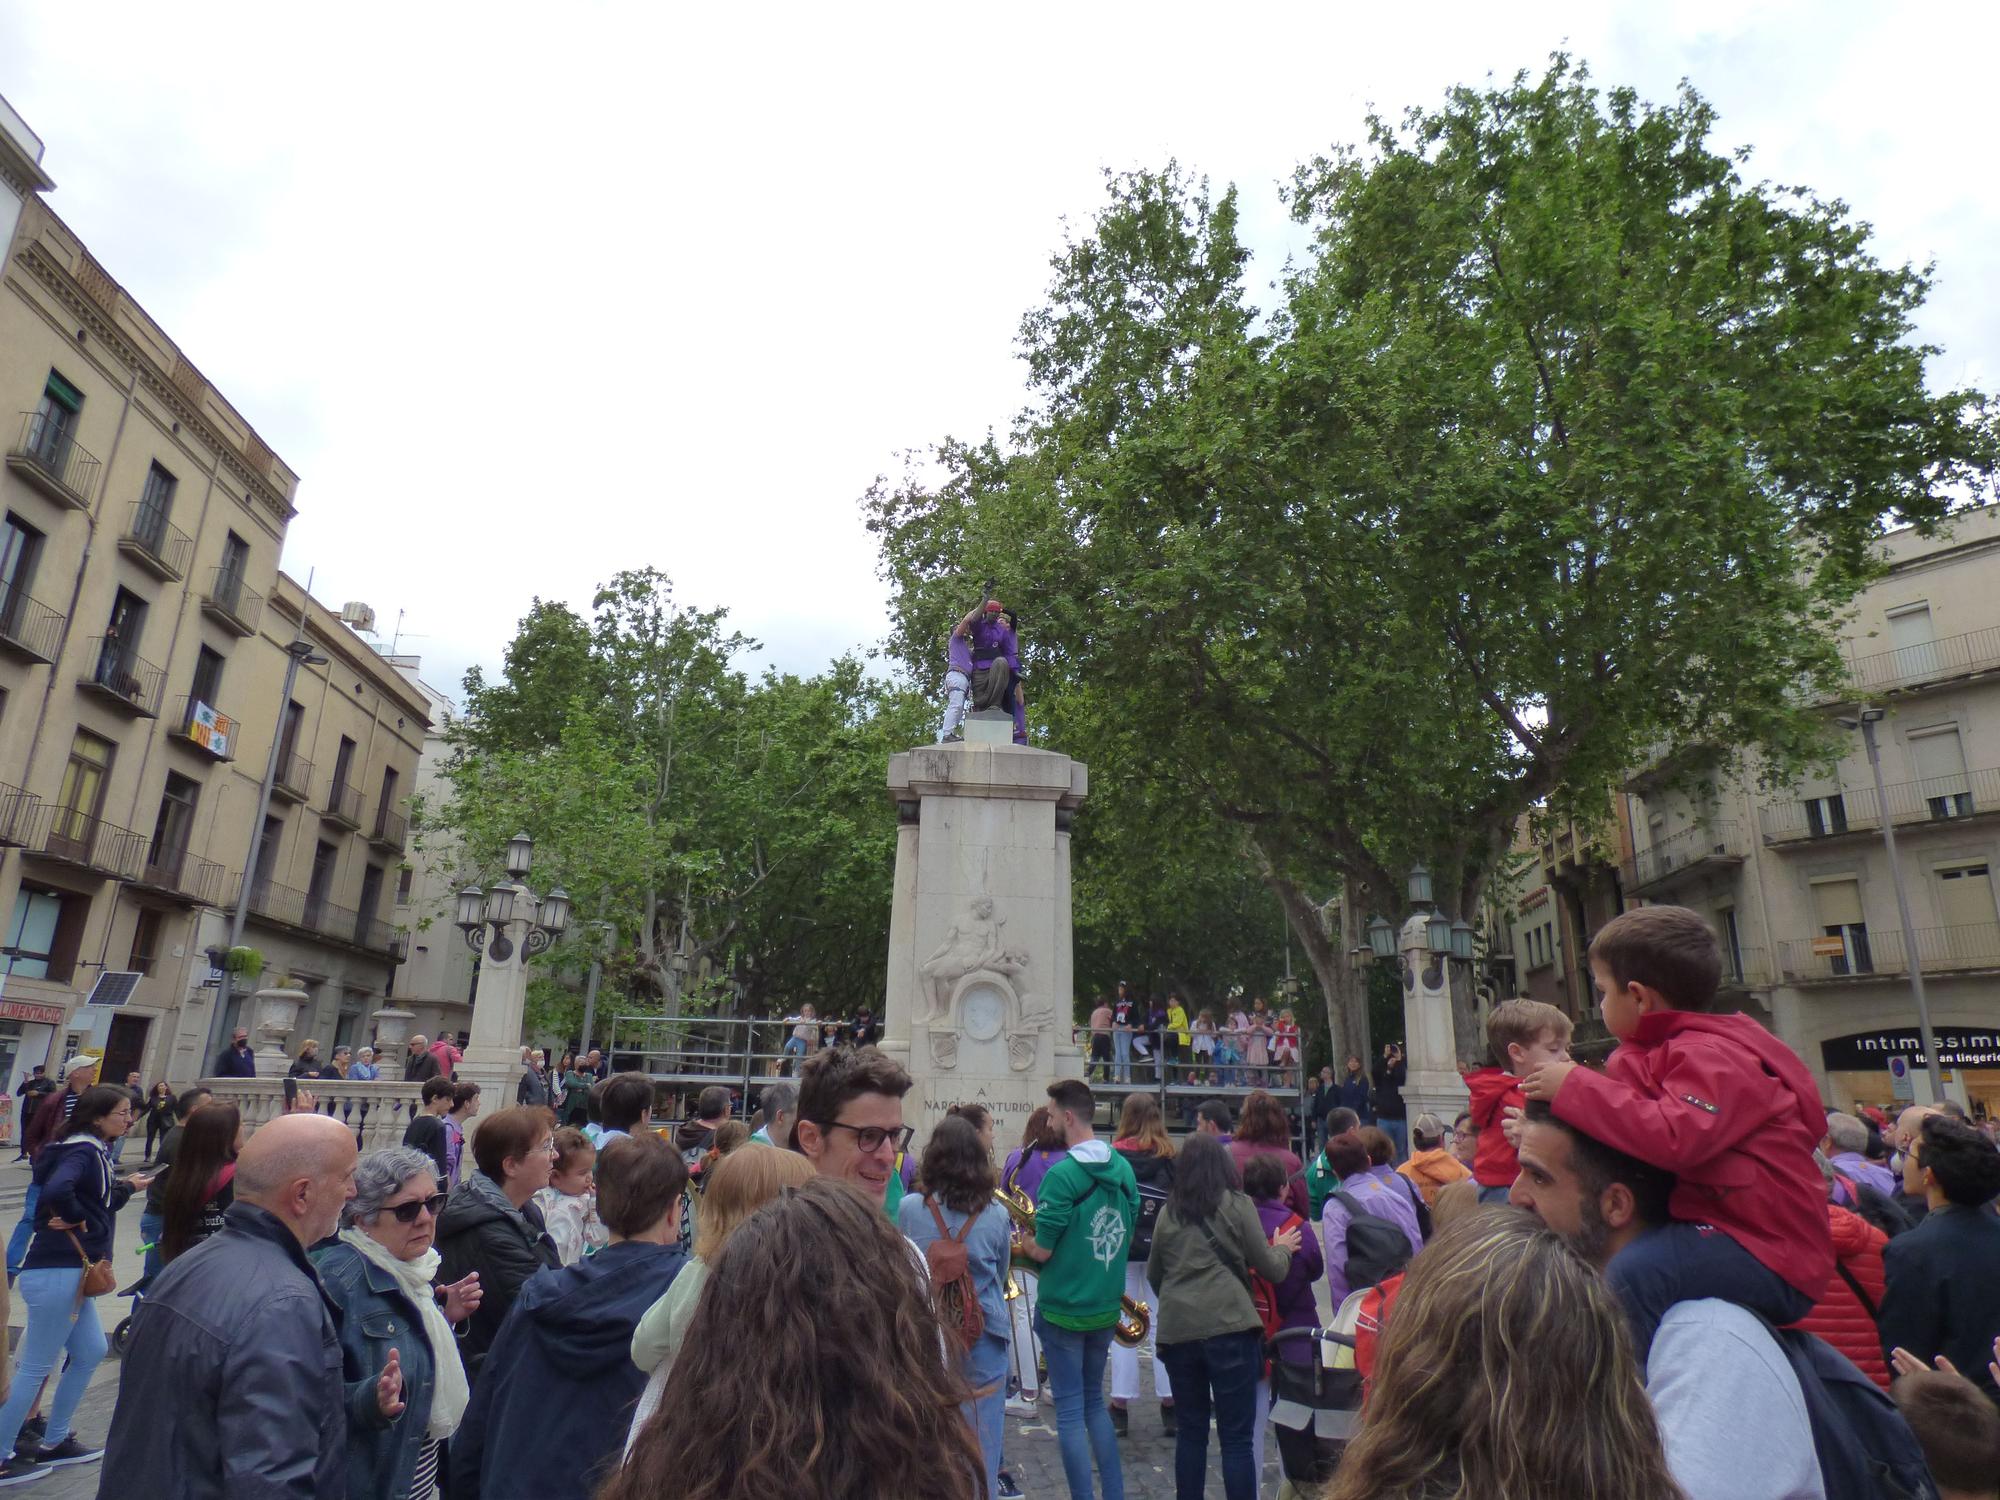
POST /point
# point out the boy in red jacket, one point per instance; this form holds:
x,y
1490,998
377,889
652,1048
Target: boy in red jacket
x,y
1521,1035
1716,1100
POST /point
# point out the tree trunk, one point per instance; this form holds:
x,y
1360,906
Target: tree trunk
x,y
1329,968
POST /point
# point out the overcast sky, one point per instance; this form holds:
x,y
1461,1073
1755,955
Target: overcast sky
x,y
530,294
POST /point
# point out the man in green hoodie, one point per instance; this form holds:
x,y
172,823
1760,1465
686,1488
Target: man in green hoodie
x,y
1084,1216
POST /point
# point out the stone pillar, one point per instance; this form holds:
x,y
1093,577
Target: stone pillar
x,y
979,1005
1430,1051
493,1058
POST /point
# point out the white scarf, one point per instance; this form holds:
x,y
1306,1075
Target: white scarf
x,y
451,1393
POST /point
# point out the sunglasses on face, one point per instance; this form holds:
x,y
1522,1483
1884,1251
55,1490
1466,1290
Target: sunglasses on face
x,y
406,1213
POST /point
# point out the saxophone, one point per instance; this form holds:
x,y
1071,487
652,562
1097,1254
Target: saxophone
x,y
1131,1329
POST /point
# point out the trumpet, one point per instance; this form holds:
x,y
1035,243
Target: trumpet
x,y
1137,1319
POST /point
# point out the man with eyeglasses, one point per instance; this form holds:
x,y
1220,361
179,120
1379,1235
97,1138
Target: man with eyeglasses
x,y
850,1121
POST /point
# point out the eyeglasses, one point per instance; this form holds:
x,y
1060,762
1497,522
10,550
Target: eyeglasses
x,y
406,1213
872,1137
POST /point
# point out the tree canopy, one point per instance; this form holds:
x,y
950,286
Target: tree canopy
x,y
1562,450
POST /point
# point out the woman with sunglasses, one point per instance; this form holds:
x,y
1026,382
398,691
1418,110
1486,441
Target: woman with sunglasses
x,y
380,1274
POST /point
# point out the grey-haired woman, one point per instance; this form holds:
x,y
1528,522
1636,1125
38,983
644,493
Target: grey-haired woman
x,y
380,1273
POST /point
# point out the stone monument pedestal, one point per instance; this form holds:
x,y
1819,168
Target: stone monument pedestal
x,y
979,1006
1430,1052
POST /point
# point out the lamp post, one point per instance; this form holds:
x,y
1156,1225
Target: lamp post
x,y
1866,721
1424,947
507,924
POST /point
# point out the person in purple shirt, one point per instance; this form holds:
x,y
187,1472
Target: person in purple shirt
x,y
1846,1140
1265,1180
957,678
979,643
1376,1187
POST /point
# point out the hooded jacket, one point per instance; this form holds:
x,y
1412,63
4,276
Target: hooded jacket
x,y
1431,1170
1732,1112
78,1187
1085,1213
1840,1317
481,1231
1493,1090
550,1414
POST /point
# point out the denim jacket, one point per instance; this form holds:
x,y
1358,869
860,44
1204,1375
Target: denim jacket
x,y
375,1317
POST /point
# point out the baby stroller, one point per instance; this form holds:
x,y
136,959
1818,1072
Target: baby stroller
x,y
121,1336
1314,1407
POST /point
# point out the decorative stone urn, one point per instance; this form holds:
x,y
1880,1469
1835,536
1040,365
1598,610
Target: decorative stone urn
x,y
277,1015
392,1029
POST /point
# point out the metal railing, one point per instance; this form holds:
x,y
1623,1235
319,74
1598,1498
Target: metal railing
x,y
1691,847
29,625
198,724
391,829
1948,656
312,913
232,601
343,804
294,778
77,838
182,874
161,545
1747,968
47,451
17,810
1936,799
1939,950
121,674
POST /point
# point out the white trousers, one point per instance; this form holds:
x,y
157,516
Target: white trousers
x,y
1024,1357
1125,1362
956,686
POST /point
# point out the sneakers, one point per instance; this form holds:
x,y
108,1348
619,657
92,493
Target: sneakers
x,y
1020,1406
1008,1489
18,1470
71,1450
36,1428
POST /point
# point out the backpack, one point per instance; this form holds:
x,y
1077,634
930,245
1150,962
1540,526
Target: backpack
x,y
1376,1248
1872,1204
691,1158
1152,1198
1264,1294
1866,1450
953,1292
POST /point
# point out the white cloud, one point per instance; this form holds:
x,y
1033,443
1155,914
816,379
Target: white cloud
x,y
530,294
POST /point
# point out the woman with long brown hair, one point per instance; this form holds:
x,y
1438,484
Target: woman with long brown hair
x,y
1264,1130
1505,1374
200,1183
824,1290
1147,1148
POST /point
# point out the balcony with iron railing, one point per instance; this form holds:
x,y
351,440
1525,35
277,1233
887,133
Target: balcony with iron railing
x,y
198,727
1865,952
293,782
52,461
66,836
1746,969
122,677
150,541
231,602
314,913
343,805
1704,847
17,810
28,628
391,830
1935,799
182,876
1909,667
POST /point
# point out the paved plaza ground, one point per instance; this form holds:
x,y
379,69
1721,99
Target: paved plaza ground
x,y
1032,1454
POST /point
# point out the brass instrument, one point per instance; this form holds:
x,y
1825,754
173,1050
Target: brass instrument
x,y
1137,1321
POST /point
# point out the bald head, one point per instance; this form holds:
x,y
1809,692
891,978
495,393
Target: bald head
x,y
301,1168
1910,1122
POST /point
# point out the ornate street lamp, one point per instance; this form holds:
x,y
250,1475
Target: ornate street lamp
x,y
1382,937
485,916
1420,886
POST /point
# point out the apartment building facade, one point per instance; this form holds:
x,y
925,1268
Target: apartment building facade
x,y
143,626
436,979
1797,880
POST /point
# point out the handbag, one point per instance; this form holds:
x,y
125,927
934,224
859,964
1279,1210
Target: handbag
x,y
98,1276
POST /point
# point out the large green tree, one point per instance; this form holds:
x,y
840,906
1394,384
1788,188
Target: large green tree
x,y
1562,450
733,832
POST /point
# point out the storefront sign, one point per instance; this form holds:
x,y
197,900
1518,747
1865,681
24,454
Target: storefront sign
x,y
1958,1047
34,1015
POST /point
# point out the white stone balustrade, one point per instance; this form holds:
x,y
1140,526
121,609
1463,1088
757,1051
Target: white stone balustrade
x,y
379,1112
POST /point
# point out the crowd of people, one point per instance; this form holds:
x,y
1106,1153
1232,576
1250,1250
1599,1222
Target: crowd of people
x,y
1680,1276
1244,1044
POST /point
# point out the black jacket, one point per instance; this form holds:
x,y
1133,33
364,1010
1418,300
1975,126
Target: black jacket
x,y
1942,1294
1388,1097
426,1133
481,1231
234,1386
420,1069
532,1089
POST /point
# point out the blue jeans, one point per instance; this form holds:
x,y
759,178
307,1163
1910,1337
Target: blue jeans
x,y
1226,1370
1083,1426
55,1323
986,1372
1399,1132
17,1242
150,1226
1121,1057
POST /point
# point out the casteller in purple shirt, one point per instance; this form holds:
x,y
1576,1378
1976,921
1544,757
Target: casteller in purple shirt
x,y
992,636
1297,1307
